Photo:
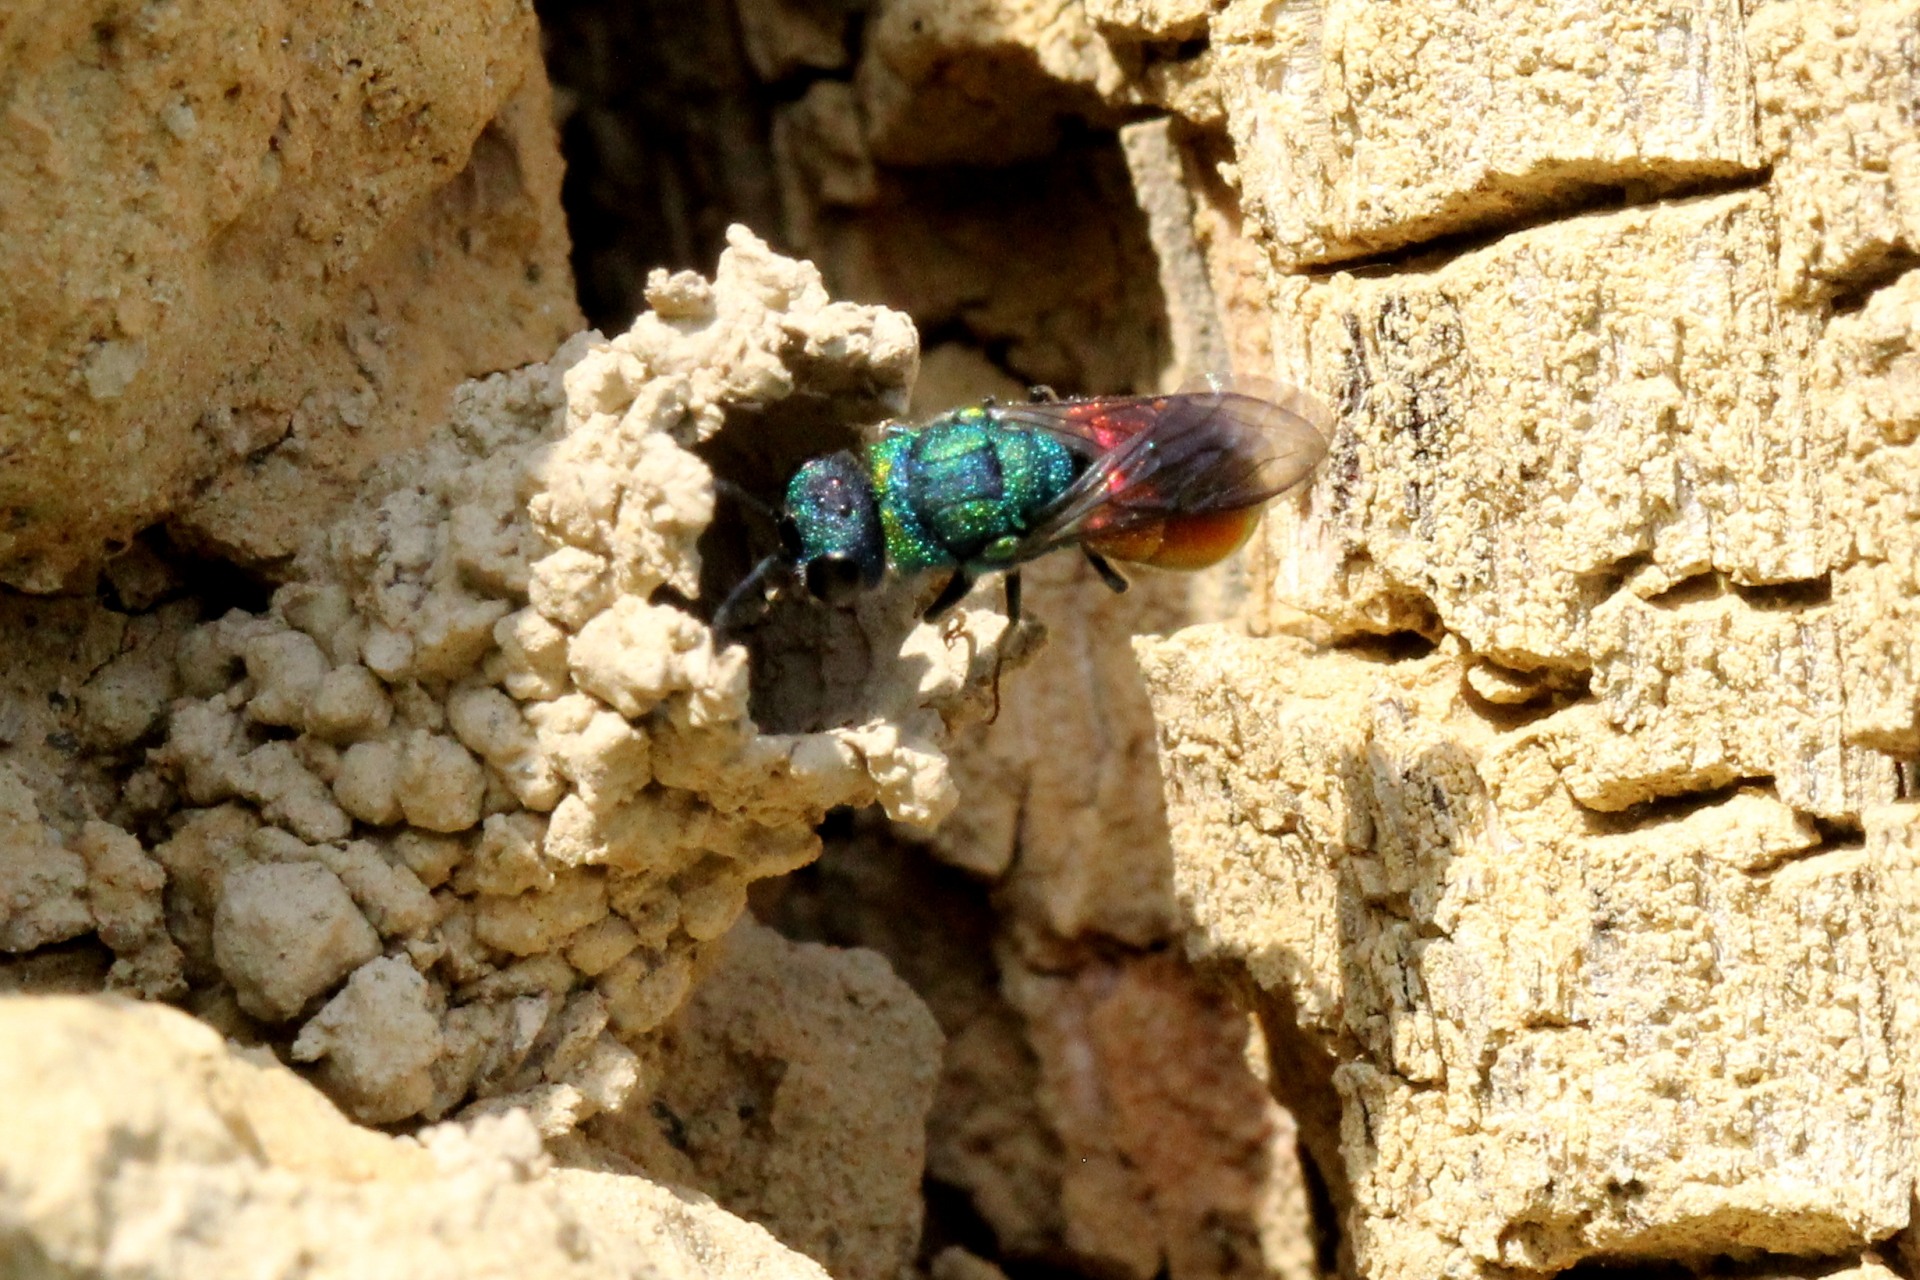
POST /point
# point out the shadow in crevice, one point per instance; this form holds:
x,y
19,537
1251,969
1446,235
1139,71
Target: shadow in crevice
x,y
1575,197
1663,810
1300,1069
1555,692
1777,597
1852,295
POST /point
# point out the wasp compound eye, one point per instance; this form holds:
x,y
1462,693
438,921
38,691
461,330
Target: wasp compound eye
x,y
834,580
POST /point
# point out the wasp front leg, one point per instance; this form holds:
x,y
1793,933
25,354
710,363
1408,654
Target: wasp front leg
x,y
957,586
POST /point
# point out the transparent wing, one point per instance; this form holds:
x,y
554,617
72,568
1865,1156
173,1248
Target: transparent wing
x,y
1190,453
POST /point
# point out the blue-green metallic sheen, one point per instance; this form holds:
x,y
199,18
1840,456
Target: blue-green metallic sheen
x,y
830,503
963,489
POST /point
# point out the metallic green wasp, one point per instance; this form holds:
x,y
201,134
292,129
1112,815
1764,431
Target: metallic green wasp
x,y
1174,481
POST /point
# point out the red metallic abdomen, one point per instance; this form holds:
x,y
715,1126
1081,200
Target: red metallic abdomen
x,y
1179,542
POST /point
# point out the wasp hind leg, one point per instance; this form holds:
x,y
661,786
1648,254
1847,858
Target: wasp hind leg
x,y
1108,574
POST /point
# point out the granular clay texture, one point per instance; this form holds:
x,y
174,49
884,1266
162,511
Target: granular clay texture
x,y
453,818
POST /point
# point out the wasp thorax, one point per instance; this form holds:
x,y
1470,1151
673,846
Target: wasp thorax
x,y
835,525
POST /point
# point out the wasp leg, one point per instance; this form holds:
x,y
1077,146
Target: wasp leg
x,y
958,585
1108,574
1041,393
1000,648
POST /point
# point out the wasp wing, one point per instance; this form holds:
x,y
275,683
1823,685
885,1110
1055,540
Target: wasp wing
x,y
1154,457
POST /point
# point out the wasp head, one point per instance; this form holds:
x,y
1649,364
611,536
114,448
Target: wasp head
x,y
832,529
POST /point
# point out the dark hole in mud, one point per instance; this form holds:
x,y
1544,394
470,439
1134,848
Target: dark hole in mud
x,y
78,967
1839,833
218,584
1852,294
1626,1269
757,451
1725,1266
809,660
1694,590
1399,646
951,1222
1554,691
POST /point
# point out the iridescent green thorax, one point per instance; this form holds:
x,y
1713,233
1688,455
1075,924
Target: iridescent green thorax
x,y
963,489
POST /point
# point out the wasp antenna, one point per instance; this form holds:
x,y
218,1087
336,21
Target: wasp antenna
x,y
722,485
723,617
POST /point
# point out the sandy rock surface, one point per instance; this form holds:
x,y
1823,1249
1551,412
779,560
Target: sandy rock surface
x,y
795,1089
159,1149
1567,882
235,247
1509,874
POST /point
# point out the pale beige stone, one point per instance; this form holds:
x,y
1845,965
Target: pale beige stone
x,y
1160,183
1831,84
43,886
1552,1038
825,1148
286,668
124,898
439,784
509,858
255,254
285,932
601,945
150,1148
394,900
1692,699
1152,19
1867,392
348,704
1359,129
538,920
1535,424
1169,1145
980,81
365,785
376,1042
643,990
